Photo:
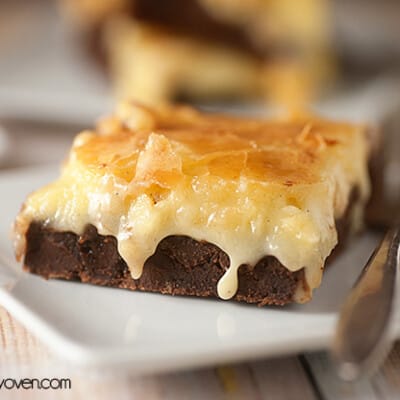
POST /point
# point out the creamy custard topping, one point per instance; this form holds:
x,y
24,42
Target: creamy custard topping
x,y
251,187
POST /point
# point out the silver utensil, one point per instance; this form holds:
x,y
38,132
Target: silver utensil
x,y
362,337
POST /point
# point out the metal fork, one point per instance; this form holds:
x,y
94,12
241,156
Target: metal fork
x,y
363,333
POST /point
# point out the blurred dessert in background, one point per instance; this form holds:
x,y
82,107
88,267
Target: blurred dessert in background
x,y
158,51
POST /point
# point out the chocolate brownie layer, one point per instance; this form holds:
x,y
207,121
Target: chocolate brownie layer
x,y
190,18
180,265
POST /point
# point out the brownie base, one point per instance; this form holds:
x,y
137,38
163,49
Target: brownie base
x,y
179,266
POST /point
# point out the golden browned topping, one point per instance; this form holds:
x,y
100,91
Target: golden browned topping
x,y
220,145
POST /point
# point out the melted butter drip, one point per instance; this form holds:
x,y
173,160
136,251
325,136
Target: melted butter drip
x,y
250,187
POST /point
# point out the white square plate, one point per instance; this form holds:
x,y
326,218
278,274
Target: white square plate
x,y
96,326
